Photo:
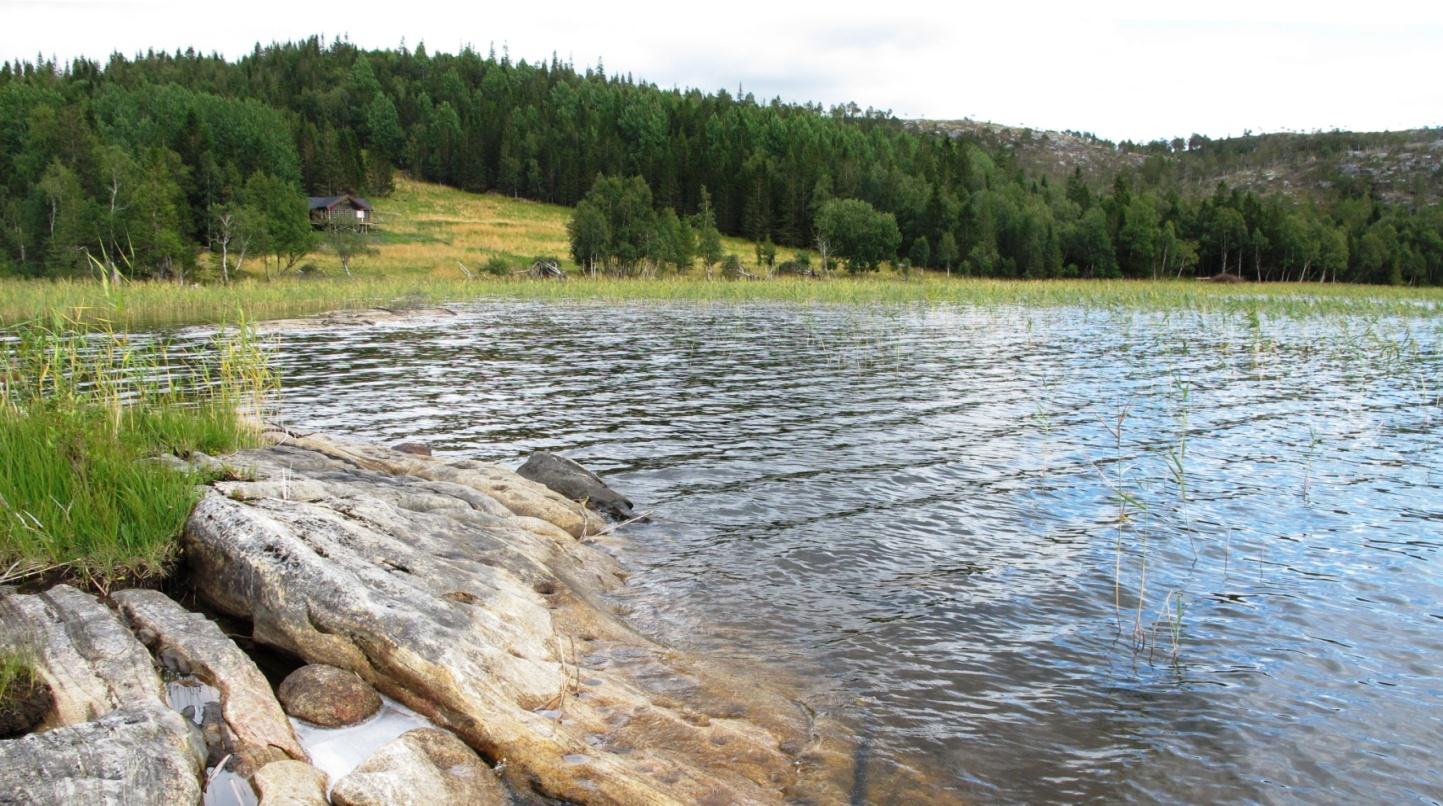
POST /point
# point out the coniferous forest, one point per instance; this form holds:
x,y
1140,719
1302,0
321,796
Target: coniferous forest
x,y
136,166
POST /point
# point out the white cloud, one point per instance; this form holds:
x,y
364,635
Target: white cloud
x,y
1135,70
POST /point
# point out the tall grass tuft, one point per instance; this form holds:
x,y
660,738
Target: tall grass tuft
x,y
85,415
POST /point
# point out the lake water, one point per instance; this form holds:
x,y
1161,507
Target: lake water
x,y
938,522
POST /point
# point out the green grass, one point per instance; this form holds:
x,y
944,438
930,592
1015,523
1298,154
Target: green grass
x,y
17,673
83,416
151,305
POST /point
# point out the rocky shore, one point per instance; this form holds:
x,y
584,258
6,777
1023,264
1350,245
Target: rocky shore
x,y
456,589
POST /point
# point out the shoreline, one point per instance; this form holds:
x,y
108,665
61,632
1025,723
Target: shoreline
x,y
471,596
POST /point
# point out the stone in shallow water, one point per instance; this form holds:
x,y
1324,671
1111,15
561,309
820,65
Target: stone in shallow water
x,y
337,751
570,479
428,766
253,726
325,695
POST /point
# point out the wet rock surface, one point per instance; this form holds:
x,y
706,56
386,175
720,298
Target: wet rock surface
x,y
248,717
143,753
327,696
414,448
423,766
575,482
461,590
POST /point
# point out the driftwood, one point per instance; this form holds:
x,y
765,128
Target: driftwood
x,y
738,273
546,270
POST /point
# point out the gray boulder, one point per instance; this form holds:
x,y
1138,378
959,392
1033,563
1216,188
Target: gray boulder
x,y
577,483
143,753
82,651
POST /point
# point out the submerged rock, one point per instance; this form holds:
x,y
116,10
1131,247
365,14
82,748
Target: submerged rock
x,y
491,625
327,696
292,783
575,482
143,753
413,448
423,766
81,650
252,725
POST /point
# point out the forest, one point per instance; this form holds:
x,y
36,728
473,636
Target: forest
x,y
137,166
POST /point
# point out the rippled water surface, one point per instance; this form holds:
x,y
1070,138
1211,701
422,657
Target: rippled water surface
x,y
940,522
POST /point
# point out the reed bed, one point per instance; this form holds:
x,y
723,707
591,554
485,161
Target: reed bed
x,y
86,416
159,305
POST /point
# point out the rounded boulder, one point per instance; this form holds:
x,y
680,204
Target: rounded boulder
x,y
327,696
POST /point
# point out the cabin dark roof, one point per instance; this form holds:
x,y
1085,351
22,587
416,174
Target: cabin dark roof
x,y
329,202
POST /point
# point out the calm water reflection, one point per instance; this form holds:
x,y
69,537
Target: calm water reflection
x,y
932,518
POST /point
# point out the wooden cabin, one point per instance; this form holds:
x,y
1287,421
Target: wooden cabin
x,y
347,211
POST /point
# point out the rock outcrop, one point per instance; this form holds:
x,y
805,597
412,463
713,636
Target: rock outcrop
x,y
254,728
326,696
142,753
462,590
91,662
479,485
422,766
576,483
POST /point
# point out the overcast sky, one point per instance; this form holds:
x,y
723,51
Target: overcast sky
x,y
1134,70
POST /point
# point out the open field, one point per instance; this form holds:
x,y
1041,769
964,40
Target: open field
x,y
425,230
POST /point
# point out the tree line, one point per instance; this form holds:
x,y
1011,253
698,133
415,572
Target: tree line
x,y
140,163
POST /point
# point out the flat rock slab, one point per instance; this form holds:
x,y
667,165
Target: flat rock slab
x,y
91,662
140,754
257,730
423,766
396,567
326,696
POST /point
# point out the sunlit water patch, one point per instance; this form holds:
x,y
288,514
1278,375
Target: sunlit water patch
x,y
1050,555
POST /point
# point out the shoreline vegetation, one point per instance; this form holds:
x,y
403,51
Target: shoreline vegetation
x,y
162,305
435,245
88,417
